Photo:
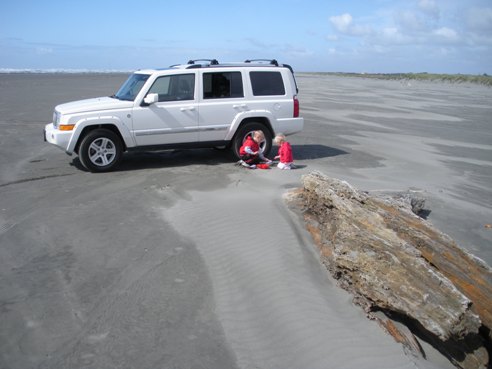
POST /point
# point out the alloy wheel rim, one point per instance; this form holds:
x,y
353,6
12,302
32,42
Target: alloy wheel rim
x,y
102,152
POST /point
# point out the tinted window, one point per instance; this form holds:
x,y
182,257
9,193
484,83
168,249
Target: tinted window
x,y
267,83
222,85
174,88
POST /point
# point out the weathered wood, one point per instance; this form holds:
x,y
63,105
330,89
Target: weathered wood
x,y
400,333
394,261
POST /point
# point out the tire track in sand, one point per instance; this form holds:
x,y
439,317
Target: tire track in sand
x,y
277,306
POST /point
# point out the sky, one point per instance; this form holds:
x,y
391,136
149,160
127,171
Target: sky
x,y
361,36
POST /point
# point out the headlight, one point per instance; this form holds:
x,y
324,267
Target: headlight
x,y
56,118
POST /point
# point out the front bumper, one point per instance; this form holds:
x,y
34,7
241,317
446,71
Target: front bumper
x,y
56,137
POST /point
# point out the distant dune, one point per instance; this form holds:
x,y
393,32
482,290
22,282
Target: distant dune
x,y
484,79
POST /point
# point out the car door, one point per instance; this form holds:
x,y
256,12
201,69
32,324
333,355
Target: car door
x,y
174,117
221,101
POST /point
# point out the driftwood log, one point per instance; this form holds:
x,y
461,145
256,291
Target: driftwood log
x,y
401,269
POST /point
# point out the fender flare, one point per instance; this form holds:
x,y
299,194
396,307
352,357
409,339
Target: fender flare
x,y
261,115
99,121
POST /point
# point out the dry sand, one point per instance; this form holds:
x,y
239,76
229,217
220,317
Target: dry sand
x,y
435,138
182,260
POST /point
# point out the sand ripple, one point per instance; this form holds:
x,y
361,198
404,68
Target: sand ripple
x,y
277,306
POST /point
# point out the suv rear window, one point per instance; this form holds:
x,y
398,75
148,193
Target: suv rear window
x,y
222,85
267,83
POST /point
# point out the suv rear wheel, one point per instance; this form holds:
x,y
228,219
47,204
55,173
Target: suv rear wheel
x,y
100,150
248,130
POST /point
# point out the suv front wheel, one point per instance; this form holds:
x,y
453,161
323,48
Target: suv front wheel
x,y
247,130
100,150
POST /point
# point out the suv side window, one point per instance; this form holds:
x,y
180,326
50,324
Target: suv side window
x,y
267,83
174,88
222,85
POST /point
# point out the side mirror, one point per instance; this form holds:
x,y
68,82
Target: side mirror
x,y
151,99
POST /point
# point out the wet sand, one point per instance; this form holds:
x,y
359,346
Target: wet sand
x,y
180,259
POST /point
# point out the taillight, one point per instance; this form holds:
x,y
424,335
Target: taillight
x,y
296,107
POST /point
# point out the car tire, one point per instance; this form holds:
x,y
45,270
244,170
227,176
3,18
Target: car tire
x,y
246,130
100,150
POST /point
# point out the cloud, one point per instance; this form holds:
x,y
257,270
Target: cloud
x,y
392,35
410,21
446,34
42,50
416,26
429,7
479,20
341,22
432,35
361,30
259,43
344,24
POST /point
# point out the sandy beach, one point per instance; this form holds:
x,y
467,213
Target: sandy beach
x,y
181,260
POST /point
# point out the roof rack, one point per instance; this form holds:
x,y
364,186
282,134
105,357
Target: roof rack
x,y
210,61
269,61
203,63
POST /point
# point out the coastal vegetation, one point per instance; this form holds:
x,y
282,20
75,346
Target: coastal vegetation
x,y
483,79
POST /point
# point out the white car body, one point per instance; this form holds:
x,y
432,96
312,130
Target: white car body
x,y
195,119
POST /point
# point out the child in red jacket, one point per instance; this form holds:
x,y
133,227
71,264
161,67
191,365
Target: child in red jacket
x,y
284,153
250,151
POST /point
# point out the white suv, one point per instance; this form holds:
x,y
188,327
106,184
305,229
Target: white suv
x,y
199,104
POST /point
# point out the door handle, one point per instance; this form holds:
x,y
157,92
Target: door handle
x,y
188,108
239,106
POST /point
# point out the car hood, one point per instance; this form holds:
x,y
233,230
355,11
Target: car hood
x,y
95,104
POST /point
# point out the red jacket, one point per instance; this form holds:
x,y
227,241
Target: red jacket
x,y
251,143
285,153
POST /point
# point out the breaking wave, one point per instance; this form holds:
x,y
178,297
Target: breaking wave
x,y
63,71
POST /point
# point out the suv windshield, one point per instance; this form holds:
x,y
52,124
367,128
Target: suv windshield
x,y
130,89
